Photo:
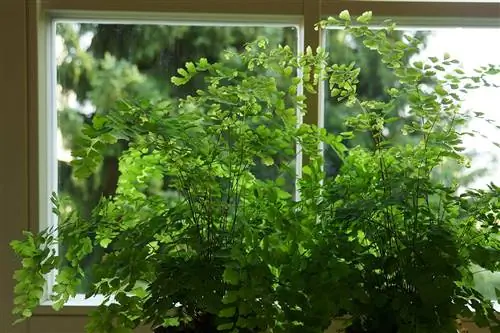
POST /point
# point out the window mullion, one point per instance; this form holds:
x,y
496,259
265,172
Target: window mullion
x,y
311,37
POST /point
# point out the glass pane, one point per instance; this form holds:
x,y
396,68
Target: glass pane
x,y
100,64
473,47
374,79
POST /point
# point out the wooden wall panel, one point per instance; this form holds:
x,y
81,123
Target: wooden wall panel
x,y
13,148
472,12
268,7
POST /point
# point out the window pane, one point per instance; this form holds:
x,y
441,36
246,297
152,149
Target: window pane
x,y
100,64
473,47
375,78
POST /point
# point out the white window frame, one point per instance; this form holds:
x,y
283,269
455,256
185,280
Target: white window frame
x,y
47,127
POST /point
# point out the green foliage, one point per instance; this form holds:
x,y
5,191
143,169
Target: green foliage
x,y
384,242
37,261
128,62
414,240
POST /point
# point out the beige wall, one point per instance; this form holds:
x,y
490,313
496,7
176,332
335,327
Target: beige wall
x,y
464,326
13,147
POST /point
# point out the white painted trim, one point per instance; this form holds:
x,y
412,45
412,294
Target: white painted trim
x,y
300,91
192,19
48,168
47,133
81,300
322,92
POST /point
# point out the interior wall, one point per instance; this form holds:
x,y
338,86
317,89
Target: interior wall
x,y
13,148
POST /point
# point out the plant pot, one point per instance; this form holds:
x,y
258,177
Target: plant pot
x,y
206,323
203,323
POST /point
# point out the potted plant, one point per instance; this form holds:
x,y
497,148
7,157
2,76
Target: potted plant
x,y
412,237
225,247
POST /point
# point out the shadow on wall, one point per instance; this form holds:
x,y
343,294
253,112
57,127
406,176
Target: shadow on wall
x,y
464,326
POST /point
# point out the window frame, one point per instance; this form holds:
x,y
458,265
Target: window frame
x,y
24,92
47,124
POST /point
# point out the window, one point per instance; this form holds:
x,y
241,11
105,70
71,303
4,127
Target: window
x,y
375,79
98,64
27,171
483,149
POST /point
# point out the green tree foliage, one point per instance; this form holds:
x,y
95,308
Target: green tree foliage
x,y
134,61
385,242
374,79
